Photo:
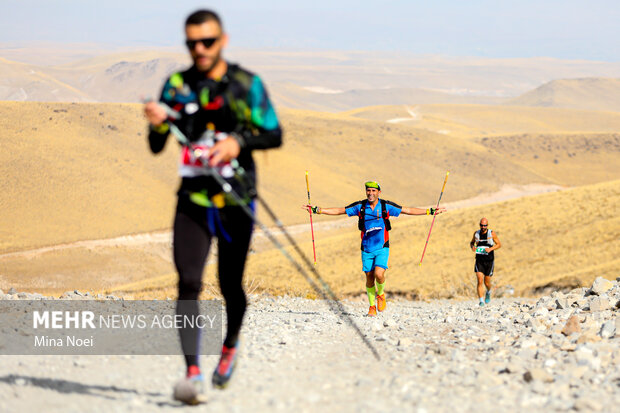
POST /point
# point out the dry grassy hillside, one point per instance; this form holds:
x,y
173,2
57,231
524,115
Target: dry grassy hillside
x,y
297,79
562,158
78,171
21,81
84,170
546,243
323,99
121,77
487,120
587,93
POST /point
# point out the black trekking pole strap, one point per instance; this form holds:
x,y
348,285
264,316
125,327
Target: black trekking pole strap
x,y
326,292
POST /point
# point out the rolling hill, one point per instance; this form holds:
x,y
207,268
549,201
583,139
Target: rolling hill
x,y
81,186
584,93
474,121
85,171
296,79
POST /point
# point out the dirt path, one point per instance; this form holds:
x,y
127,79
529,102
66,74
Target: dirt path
x,y
164,237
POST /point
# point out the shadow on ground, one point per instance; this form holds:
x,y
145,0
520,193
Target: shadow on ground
x,y
68,387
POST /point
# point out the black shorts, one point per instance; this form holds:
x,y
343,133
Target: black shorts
x,y
485,267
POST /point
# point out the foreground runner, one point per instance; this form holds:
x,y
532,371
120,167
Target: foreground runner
x,y
225,111
374,214
483,243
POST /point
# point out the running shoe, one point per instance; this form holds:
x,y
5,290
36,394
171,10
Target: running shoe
x,y
372,311
226,366
487,297
381,302
190,390
481,304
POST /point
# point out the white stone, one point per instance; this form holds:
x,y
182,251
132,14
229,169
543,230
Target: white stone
x,y
528,344
600,303
404,342
601,285
538,325
541,312
609,329
588,405
377,326
538,374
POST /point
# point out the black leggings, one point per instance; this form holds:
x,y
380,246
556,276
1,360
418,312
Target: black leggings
x,y
192,240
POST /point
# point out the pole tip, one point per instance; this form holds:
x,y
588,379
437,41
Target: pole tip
x,y
306,172
448,173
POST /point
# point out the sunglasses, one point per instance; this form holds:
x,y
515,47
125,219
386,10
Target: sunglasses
x,y
484,225
207,42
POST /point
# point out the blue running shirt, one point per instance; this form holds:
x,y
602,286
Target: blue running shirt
x,y
375,236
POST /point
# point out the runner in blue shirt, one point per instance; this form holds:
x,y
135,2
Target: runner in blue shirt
x,y
374,224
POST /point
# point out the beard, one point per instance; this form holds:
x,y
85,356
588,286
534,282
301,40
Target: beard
x,y
209,65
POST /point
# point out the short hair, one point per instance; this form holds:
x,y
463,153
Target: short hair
x,y
203,16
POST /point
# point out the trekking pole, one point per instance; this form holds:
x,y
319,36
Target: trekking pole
x,y
310,212
434,215
326,293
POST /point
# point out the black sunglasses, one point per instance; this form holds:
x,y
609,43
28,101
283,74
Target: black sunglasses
x,y
484,225
207,42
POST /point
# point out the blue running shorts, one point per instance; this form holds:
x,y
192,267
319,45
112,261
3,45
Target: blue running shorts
x,y
377,258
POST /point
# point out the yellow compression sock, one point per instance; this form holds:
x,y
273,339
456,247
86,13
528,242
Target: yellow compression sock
x,y
380,288
371,295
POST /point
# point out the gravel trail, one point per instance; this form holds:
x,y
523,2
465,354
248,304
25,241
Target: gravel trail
x,y
557,353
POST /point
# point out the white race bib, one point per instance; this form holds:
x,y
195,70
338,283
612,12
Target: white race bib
x,y
192,163
481,250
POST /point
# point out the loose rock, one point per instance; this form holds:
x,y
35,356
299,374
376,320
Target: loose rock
x,y
538,374
601,285
609,329
572,326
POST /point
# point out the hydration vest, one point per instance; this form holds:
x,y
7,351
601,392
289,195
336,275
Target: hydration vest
x,y
384,214
482,243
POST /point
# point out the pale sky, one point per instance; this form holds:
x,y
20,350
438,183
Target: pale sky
x,y
567,29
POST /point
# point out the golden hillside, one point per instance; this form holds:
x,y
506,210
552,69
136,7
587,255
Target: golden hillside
x,y
560,158
78,171
75,173
293,96
486,120
543,245
318,80
585,93
21,82
84,170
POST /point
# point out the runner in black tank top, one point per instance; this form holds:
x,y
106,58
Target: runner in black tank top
x,y
483,244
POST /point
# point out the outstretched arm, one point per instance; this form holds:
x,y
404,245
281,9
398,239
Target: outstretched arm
x,y
332,211
325,211
420,211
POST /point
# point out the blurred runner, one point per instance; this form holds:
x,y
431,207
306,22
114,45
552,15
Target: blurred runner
x,y
226,113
